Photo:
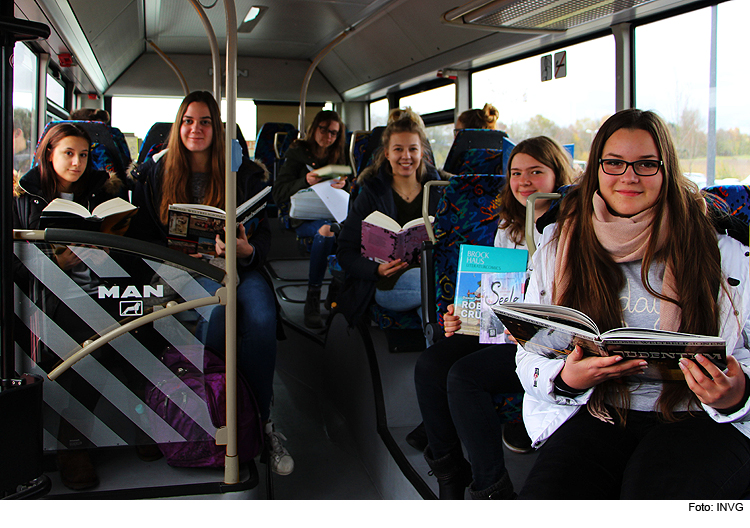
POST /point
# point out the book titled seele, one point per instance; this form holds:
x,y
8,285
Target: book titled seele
x,y
384,240
192,228
487,276
554,331
112,216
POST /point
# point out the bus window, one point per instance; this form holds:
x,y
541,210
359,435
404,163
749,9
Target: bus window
x,y
378,113
676,84
24,108
568,109
429,102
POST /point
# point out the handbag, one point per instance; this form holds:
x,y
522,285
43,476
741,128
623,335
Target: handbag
x,y
210,388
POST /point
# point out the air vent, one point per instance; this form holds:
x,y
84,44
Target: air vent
x,y
535,16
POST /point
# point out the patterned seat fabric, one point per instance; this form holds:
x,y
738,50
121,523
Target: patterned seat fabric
x,y
467,214
735,199
154,141
264,150
476,151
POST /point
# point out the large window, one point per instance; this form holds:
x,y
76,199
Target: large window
x,y
378,113
432,102
569,109
676,83
24,109
137,114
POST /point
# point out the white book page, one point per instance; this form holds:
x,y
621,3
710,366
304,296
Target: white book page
x,y
337,200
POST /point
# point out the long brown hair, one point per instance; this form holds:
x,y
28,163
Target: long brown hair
x,y
47,176
408,122
177,161
546,151
691,251
334,153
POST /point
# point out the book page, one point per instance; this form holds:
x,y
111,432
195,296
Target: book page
x,y
416,222
377,218
113,206
336,200
59,205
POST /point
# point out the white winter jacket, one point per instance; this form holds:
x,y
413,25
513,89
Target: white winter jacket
x,y
544,411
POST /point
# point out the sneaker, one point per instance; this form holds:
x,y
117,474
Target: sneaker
x,y
516,438
279,459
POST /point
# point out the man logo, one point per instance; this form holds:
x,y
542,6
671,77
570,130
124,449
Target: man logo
x,y
131,308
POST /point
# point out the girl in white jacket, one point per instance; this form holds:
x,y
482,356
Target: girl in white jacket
x,y
635,245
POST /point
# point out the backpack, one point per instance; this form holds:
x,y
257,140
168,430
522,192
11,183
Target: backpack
x,y
210,386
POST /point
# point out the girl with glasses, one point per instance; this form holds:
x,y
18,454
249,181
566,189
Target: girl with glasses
x,y
323,145
635,244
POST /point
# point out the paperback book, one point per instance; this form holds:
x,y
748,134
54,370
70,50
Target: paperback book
x,y
112,216
192,228
554,331
329,172
384,240
487,276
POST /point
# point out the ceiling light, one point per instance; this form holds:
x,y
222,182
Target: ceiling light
x,y
251,18
252,14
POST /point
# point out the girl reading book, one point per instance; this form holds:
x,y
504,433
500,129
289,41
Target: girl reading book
x,y
323,145
63,170
395,189
637,229
191,170
457,377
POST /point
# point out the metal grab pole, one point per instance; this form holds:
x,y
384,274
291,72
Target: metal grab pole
x,y
172,65
215,57
231,460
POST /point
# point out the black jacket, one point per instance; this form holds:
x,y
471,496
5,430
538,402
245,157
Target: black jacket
x,y
251,179
362,273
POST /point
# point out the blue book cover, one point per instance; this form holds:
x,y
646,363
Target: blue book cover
x,y
475,261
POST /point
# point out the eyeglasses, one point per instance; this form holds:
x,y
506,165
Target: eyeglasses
x,y
332,133
616,167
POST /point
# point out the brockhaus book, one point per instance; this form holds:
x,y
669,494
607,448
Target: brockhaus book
x,y
554,331
487,276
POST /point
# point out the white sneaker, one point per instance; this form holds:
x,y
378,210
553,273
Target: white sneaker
x,y
279,459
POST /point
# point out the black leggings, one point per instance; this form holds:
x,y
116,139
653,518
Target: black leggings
x,y
694,458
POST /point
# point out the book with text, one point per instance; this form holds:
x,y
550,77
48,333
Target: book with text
x,y
384,240
192,228
487,276
112,216
554,331
330,172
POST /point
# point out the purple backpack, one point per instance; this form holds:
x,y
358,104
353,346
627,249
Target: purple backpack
x,y
210,387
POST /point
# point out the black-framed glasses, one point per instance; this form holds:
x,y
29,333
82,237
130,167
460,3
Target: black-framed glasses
x,y
616,167
326,130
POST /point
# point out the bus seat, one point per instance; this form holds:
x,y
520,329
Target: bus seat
x,y
154,141
467,214
272,142
474,151
736,198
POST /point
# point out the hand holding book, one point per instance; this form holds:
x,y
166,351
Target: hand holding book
x,y
720,390
583,372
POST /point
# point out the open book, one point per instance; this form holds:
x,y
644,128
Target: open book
x,y
554,331
487,276
112,216
192,228
384,240
321,201
330,172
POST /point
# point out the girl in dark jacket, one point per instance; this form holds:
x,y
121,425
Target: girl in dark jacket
x,y
63,171
324,145
192,170
395,189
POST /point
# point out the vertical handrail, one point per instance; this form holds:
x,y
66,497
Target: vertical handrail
x,y
231,460
215,57
530,227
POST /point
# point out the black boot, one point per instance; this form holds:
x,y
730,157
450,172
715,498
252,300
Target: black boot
x,y
417,438
500,490
453,473
312,308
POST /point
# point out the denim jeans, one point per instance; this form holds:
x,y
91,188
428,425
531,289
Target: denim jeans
x,y
256,324
321,247
406,293
694,458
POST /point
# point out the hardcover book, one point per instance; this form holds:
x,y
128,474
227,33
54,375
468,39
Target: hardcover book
x,y
192,228
112,216
554,331
384,240
487,276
